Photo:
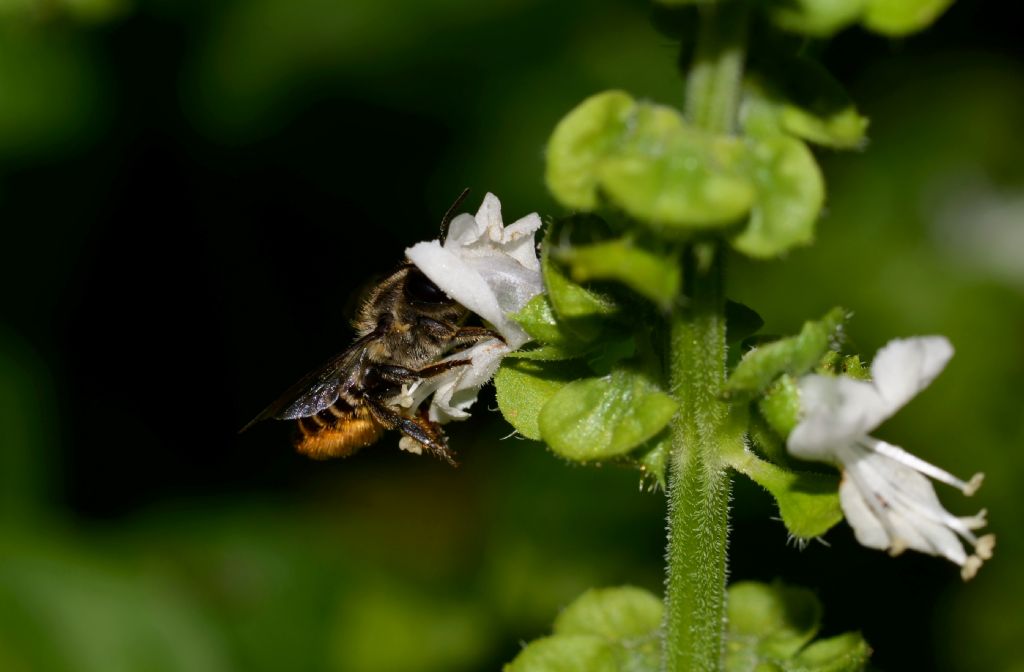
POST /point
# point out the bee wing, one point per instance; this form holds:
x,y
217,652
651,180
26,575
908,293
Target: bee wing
x,y
318,389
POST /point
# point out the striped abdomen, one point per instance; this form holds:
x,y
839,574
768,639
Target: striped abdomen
x,y
337,431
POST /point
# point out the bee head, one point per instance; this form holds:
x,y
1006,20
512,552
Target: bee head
x,y
421,290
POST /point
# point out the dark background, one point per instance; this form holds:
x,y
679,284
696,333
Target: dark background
x,y
190,194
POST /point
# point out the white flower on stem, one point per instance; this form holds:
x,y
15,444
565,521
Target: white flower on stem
x,y
885,494
492,270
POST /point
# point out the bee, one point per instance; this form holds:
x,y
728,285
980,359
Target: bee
x,y
405,325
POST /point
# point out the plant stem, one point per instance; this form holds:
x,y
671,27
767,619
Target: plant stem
x,y
698,497
713,82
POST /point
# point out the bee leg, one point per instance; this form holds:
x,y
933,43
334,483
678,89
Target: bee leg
x,y
419,429
466,335
399,374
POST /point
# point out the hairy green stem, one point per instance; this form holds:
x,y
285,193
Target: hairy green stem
x,y
698,518
699,486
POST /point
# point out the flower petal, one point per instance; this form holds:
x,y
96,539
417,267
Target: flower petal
x,y
866,526
452,400
456,390
518,241
835,411
463,231
489,216
463,282
892,506
904,367
489,268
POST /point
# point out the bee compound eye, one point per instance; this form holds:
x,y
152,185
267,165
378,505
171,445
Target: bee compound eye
x,y
419,287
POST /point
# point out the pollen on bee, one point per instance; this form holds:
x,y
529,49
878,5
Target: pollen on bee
x,y
338,440
410,445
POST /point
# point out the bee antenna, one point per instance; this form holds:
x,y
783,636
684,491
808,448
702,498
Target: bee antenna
x,y
447,219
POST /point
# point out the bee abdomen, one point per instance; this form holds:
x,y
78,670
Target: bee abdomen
x,y
337,431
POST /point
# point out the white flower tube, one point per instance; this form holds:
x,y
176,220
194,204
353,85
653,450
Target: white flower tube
x,y
492,270
884,493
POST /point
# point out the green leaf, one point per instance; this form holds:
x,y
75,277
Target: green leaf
x,y
580,143
650,163
842,129
782,618
780,405
656,276
612,613
790,194
901,17
580,313
767,442
794,355
799,96
618,629
566,653
808,502
770,627
819,18
545,353
538,319
844,653
524,387
676,178
604,629
600,418
652,458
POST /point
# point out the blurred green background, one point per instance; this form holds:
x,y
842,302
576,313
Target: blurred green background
x,y
191,191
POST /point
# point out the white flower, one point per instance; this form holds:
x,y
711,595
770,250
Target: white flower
x,y
884,493
492,270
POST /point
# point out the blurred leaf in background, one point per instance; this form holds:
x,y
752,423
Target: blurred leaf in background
x,y
53,89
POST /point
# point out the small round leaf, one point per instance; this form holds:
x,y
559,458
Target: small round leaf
x,y
580,142
613,613
523,387
782,618
790,194
600,418
566,653
844,653
674,177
